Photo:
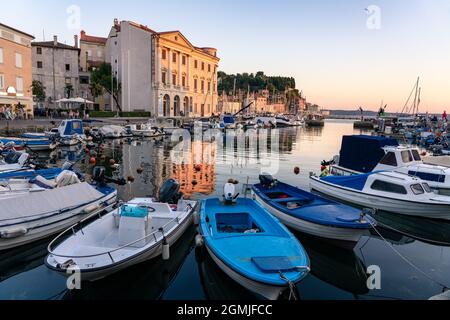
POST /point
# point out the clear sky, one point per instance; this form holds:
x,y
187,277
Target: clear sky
x,y
337,60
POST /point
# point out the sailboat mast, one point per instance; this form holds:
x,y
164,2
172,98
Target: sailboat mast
x,y
415,106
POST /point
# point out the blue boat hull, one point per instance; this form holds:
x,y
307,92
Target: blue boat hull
x,y
252,246
312,214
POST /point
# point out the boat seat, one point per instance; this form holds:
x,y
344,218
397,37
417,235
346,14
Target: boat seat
x,y
273,264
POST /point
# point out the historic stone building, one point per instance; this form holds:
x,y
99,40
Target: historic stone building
x,y
56,66
15,69
92,55
162,72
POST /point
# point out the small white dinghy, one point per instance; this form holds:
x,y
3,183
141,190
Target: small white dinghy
x,y
136,231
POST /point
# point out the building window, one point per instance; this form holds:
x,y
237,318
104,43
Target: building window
x,y
183,60
1,55
2,81
39,50
68,81
67,67
195,64
196,108
18,60
39,64
163,54
89,53
174,57
174,79
209,86
203,66
84,80
163,77
19,84
203,86
195,84
209,68
183,80
99,54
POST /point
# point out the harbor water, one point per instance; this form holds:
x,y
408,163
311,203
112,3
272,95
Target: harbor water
x,y
413,254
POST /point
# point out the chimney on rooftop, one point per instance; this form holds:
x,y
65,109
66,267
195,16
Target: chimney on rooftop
x,y
75,37
116,22
55,41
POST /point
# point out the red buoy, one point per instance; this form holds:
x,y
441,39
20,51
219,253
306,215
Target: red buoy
x,y
297,170
93,161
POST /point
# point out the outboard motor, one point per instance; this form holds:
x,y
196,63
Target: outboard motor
x,y
229,192
170,192
267,180
98,175
12,157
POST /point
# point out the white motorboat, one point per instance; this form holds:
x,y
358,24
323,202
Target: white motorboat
x,y
71,132
266,122
144,130
166,125
388,191
139,230
35,216
384,154
113,132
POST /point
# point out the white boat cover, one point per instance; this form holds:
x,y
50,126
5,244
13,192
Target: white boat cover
x,y
41,204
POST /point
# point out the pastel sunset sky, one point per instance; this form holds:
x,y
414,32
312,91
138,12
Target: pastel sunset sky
x,y
342,55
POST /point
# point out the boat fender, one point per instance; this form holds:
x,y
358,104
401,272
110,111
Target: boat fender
x,y
196,218
199,241
13,233
165,250
91,208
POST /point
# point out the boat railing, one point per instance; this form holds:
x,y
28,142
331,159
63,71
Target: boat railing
x,y
171,224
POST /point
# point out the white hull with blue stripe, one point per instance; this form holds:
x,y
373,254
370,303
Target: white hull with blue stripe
x,y
363,191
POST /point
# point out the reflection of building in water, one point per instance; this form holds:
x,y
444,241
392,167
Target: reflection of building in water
x,y
150,158
200,166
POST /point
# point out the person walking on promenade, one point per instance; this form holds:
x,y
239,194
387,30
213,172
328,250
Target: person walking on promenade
x,y
444,116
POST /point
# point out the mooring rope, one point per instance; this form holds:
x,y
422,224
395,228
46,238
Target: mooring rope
x,y
407,260
385,226
292,288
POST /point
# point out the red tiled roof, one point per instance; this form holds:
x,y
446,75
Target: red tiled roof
x,y
86,38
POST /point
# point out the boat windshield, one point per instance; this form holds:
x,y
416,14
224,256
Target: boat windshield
x,y
407,156
427,188
416,155
417,189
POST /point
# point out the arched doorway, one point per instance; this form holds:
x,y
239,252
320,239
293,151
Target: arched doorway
x,y
186,106
166,106
176,106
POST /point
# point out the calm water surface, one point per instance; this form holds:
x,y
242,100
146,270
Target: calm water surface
x,y
337,272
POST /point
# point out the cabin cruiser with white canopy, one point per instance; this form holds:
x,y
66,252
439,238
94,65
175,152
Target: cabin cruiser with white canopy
x,y
34,216
388,191
384,154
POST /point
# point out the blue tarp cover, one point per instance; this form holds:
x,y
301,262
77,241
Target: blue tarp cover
x,y
362,153
356,182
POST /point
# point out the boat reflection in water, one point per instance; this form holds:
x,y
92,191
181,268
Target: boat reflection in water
x,y
20,260
216,284
433,232
146,281
337,266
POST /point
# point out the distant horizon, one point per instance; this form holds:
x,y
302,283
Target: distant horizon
x,y
349,53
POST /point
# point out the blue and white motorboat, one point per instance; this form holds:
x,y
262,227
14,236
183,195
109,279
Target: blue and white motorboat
x,y
15,161
310,213
34,144
385,154
34,216
136,231
251,246
227,122
388,191
71,132
29,173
